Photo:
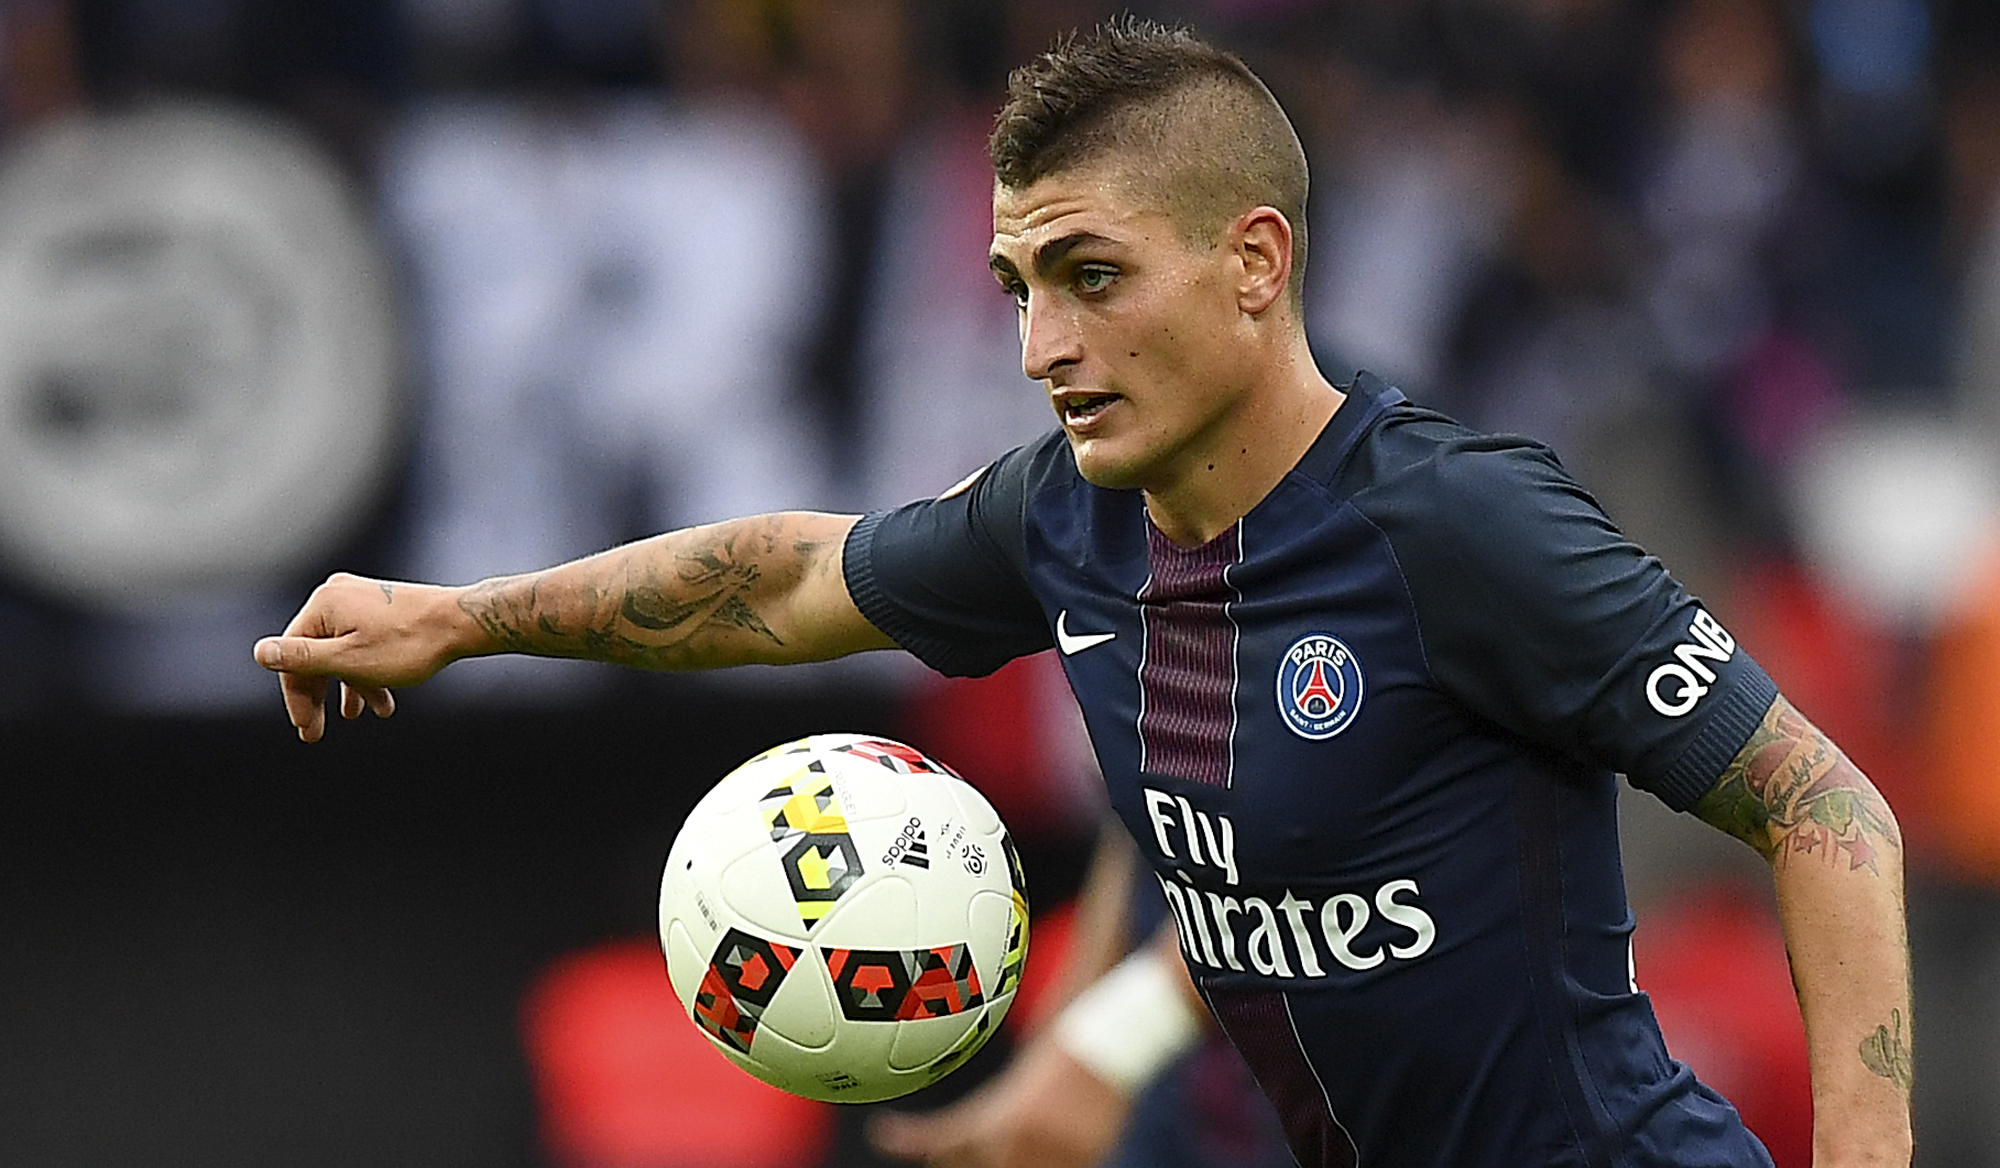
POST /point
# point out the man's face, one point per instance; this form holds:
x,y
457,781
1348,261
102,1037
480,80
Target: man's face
x,y
1127,325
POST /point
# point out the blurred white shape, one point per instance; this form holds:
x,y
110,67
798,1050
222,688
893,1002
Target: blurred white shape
x,y
612,297
1898,512
1717,189
196,355
944,391
1412,214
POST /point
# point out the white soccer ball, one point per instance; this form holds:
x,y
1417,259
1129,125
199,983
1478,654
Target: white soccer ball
x,y
845,918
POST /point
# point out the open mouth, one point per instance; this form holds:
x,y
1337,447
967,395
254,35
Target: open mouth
x,y
1078,408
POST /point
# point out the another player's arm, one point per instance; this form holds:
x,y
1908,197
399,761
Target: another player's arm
x,y
1066,1095
766,589
1836,853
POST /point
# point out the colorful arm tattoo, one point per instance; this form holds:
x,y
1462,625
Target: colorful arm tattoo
x,y
1793,796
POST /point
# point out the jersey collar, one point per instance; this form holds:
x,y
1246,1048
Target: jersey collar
x,y
1368,398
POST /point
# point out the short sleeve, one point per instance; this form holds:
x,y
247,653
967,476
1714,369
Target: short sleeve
x,y
945,579
1542,617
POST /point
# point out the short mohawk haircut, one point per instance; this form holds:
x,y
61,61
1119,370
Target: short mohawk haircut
x,y
1190,120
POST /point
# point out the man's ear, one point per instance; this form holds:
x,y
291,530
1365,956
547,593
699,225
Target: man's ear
x,y
1262,239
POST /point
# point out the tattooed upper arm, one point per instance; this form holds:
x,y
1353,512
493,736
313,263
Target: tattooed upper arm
x,y
1791,794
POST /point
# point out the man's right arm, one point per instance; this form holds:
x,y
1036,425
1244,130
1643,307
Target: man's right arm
x,y
763,590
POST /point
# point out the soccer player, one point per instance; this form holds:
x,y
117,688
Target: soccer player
x,y
1359,680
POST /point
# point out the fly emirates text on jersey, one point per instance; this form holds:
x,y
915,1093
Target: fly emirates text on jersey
x,y
1282,934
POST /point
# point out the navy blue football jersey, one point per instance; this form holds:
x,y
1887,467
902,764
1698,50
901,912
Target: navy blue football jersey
x,y
1367,738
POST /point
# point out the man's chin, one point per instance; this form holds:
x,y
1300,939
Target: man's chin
x,y
1103,468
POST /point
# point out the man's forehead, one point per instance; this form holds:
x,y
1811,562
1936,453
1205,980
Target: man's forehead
x,y
1103,201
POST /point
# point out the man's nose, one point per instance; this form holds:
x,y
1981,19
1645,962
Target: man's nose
x,y
1049,339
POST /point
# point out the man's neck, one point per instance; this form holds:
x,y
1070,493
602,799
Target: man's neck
x,y
1246,462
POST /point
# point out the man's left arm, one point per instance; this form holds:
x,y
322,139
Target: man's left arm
x,y
1836,854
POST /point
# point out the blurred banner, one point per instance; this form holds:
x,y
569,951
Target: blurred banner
x,y
197,365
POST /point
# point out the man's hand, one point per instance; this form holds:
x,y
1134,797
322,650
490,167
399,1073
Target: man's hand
x,y
1044,1110
370,636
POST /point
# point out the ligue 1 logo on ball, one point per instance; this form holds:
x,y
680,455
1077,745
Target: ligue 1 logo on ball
x,y
1319,686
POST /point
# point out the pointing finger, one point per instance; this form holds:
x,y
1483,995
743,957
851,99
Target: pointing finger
x,y
305,703
304,694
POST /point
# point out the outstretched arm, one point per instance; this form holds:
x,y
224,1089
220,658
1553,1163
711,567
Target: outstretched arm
x,y
1836,854
767,589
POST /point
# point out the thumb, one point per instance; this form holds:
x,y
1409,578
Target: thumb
x,y
285,654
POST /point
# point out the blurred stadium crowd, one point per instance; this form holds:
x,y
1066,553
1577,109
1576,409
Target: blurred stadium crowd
x,y
448,288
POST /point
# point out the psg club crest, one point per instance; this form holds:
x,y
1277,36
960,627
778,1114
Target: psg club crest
x,y
1319,686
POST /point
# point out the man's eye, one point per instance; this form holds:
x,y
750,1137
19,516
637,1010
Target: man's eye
x,y
1095,277
1018,293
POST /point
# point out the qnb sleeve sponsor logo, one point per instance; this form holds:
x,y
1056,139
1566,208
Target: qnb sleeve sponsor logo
x,y
1292,936
1675,687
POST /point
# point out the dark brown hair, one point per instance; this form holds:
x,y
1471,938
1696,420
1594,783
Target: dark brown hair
x,y
1190,124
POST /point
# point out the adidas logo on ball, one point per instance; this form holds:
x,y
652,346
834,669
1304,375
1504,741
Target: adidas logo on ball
x,y
909,847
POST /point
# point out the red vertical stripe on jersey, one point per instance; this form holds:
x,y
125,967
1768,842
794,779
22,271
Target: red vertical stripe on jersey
x,y
1187,678
1260,1025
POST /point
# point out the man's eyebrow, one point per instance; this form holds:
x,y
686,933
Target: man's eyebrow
x,y
1048,255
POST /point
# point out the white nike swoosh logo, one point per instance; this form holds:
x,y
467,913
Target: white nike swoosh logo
x,y
1076,644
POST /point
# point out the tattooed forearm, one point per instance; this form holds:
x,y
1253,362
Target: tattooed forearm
x,y
1887,1052
504,616
650,608
1836,860
740,615
1792,795
716,564
649,604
